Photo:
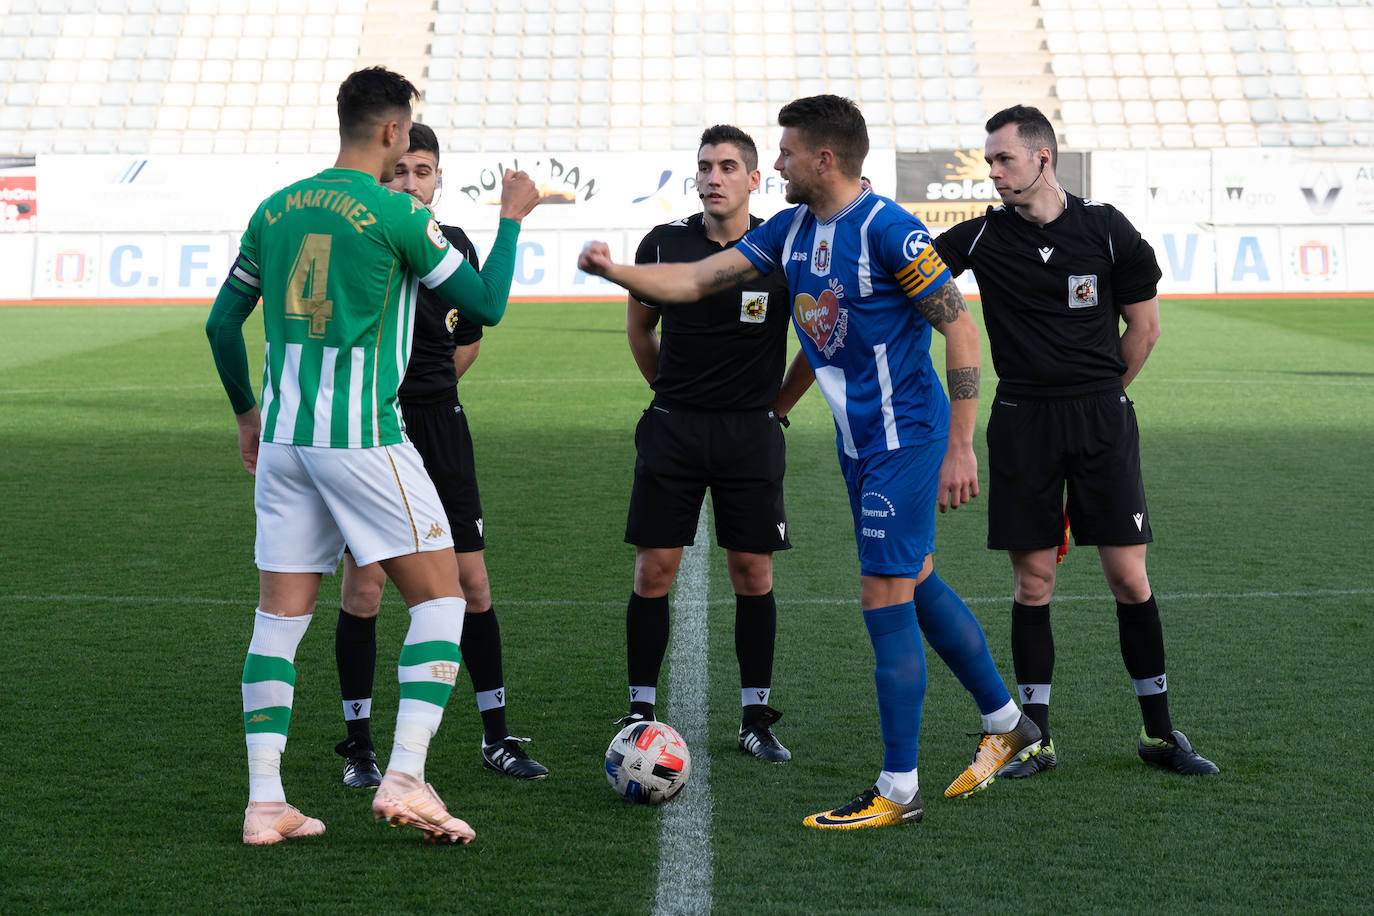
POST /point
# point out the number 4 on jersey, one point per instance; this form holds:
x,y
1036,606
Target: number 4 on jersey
x,y
308,284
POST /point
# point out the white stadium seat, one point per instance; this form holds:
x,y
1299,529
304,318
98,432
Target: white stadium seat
x,y
604,74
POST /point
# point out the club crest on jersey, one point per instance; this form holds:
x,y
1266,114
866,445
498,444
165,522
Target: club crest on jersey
x,y
823,320
753,307
451,320
436,235
1083,291
822,249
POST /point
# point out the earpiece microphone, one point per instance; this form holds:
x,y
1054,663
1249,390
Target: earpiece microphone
x,y
1038,176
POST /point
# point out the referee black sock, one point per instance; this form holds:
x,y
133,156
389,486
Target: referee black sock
x,y
481,645
646,642
1032,654
756,628
355,654
1142,649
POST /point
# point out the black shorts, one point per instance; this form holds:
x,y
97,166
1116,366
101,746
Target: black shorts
x,y
440,433
1037,446
739,454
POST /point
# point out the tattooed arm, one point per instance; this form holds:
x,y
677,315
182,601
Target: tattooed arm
x,y
947,313
676,282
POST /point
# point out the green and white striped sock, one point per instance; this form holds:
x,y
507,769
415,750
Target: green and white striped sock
x,y
269,684
427,671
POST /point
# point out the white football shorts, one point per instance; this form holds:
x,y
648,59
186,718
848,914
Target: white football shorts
x,y
312,501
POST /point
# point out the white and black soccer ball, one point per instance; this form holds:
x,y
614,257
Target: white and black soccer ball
x,y
648,763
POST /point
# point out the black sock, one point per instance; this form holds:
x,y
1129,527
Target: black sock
x,y
1142,649
1032,655
756,629
646,642
481,645
355,654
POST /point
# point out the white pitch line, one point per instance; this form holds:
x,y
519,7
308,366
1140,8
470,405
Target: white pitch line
x,y
1267,382
106,389
248,600
685,866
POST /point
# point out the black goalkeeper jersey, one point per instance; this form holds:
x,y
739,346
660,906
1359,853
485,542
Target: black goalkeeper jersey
x,y
1051,294
728,350
439,330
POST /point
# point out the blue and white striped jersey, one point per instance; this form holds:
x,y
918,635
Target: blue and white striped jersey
x,y
852,280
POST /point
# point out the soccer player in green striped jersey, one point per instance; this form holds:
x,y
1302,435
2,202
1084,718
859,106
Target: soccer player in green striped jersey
x,y
337,261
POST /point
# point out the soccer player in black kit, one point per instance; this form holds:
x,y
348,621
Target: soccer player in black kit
x,y
1055,273
444,346
716,368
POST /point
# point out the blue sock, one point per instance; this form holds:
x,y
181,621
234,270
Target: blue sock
x,y
899,671
955,635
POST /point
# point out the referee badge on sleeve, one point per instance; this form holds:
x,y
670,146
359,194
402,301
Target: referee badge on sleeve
x,y
1083,291
753,307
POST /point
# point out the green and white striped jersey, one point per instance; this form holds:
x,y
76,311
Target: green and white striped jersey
x,y
337,260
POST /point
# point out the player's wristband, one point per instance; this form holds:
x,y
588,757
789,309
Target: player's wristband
x,y
784,421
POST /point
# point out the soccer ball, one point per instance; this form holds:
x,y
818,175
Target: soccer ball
x,y
648,763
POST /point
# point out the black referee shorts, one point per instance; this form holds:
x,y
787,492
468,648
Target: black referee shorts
x,y
739,454
440,433
1038,446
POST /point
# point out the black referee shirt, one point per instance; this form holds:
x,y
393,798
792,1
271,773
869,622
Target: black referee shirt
x,y
727,351
1051,294
439,330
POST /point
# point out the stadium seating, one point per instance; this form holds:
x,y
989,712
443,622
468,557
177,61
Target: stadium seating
x,y
1268,72
225,76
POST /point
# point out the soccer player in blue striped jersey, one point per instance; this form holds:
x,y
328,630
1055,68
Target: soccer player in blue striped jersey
x,y
337,260
867,290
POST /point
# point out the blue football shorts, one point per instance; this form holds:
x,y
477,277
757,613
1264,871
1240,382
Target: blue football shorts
x,y
892,497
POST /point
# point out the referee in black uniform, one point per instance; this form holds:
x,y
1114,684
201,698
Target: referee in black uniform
x,y
443,347
1055,273
716,367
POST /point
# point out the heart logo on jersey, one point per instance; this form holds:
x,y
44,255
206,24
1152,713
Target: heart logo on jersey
x,y
817,319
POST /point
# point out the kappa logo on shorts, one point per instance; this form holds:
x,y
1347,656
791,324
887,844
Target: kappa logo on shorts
x,y
434,531
753,307
1083,291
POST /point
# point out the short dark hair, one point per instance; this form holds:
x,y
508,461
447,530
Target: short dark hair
x,y
728,133
369,97
423,139
833,122
1032,127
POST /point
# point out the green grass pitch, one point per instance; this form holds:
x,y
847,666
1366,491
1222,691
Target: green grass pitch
x,y
128,586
